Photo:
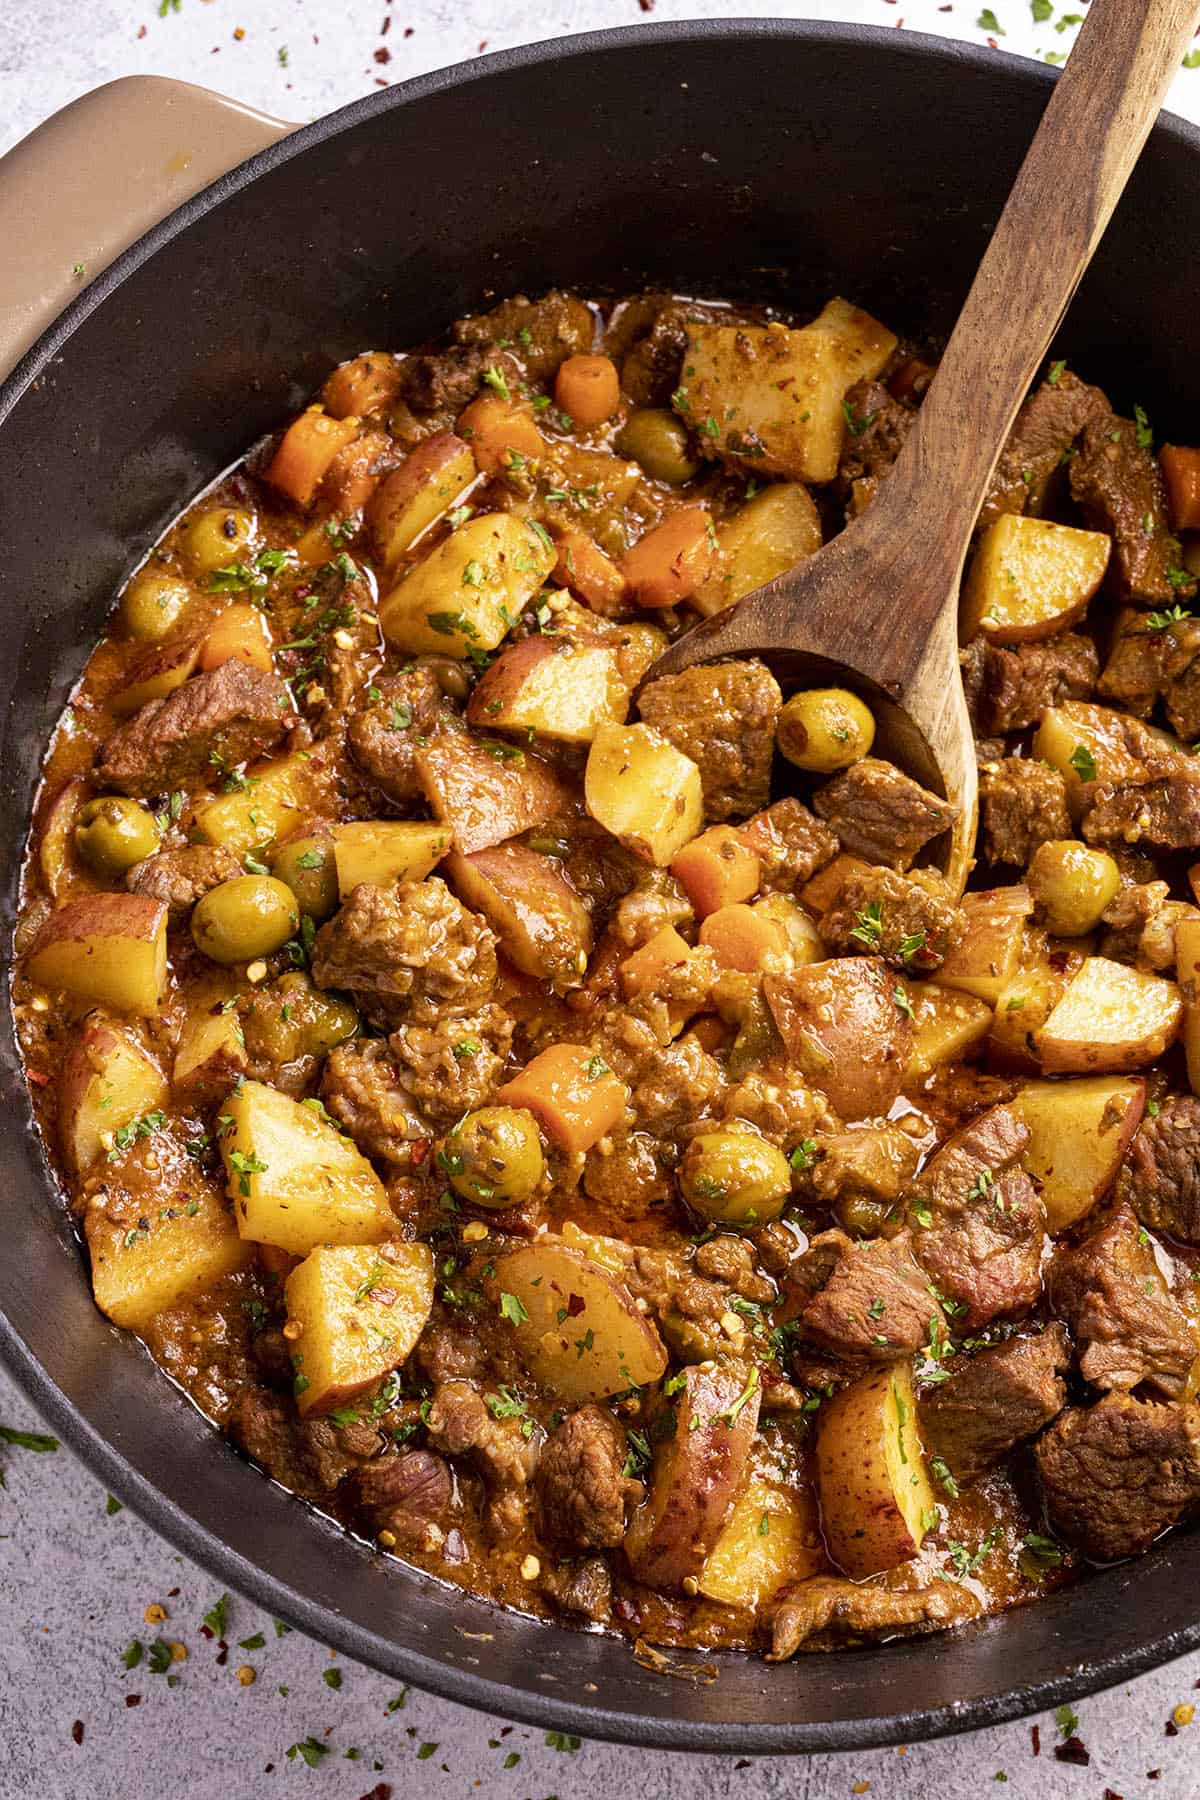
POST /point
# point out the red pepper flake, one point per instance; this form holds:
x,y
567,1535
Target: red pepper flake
x,y
77,1732
383,54
386,26
37,1079
239,34
409,30
1109,1794
133,1699
1171,1728
648,5
1153,1774
420,1152
1073,1751
141,31
222,1654
381,1791
744,1764
1035,1732
171,1593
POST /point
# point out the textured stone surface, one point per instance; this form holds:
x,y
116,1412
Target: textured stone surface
x,y
75,1578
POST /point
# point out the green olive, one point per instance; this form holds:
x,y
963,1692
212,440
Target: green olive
x,y
250,916
658,440
292,1018
494,1156
1071,885
113,833
220,536
825,729
152,605
307,866
735,1178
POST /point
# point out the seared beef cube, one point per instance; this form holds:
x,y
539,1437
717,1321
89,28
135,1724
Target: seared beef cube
x,y
1142,922
214,721
1155,656
181,877
651,364
1116,1474
1015,685
382,737
791,845
1126,1322
542,333
1044,430
443,381
871,1163
1119,485
453,1065
584,1587
310,1456
1163,812
1022,804
881,814
909,920
460,1423
724,718
977,1221
1162,1180
874,1302
829,1605
394,947
877,428
361,1089
404,1495
582,1489
994,1400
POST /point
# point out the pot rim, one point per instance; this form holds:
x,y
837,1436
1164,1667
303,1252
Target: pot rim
x,y
170,1518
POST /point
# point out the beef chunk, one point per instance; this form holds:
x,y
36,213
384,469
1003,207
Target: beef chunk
x,y
404,1495
396,948
994,1400
1148,662
1013,686
877,432
978,1222
581,1486
829,1604
443,381
909,920
1046,427
723,717
791,845
671,1084
874,1302
583,1587
1162,1179
1022,804
1142,922
1116,1474
540,333
881,814
362,1091
1119,485
1163,812
382,738
653,362
214,721
631,1177
461,1424
451,1066
309,1456
864,1162
1126,1322
181,877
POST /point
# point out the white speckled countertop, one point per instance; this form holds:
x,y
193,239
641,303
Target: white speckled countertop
x,y
77,1573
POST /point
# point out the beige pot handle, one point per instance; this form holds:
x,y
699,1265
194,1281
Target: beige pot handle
x,y
90,180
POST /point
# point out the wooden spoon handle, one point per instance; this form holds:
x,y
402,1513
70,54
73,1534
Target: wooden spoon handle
x,y
1090,137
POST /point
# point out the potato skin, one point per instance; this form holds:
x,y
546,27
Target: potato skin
x,y
698,1472
871,1474
600,1346
842,1026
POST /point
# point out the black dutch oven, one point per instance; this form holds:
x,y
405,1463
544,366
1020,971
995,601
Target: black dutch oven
x,y
763,158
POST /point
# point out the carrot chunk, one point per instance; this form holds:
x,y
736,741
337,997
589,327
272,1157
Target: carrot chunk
x,y
743,939
716,869
502,436
588,388
309,445
572,1093
1181,472
365,385
671,562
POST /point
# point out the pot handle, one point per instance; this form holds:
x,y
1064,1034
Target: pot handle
x,y
91,179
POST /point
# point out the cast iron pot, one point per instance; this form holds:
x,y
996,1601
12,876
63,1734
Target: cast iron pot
x,y
765,158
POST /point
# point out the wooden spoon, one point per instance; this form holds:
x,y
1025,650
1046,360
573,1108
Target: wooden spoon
x,y
877,609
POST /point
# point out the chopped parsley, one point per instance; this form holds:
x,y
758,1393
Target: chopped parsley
x,y
868,929
512,1308
1083,763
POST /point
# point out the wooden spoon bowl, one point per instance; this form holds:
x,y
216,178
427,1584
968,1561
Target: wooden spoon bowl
x,y
877,609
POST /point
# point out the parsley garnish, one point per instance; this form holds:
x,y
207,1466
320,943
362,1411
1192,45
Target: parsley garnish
x,y
1083,763
512,1308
